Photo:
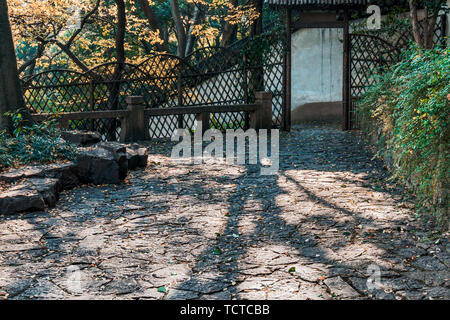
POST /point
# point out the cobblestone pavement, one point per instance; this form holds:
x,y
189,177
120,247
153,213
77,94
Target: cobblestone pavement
x,y
321,229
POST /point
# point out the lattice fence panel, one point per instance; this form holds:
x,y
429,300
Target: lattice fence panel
x,y
268,75
407,36
369,54
216,76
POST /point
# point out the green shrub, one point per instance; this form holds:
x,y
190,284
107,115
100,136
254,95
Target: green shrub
x,y
39,143
410,102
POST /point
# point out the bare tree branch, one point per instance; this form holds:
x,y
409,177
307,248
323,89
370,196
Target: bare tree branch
x,y
154,23
39,52
82,24
70,54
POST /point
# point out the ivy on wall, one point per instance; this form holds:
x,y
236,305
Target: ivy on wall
x,y
410,102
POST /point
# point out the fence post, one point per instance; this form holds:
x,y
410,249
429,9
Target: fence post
x,y
287,68
63,123
91,104
203,119
245,84
346,79
261,118
134,126
180,98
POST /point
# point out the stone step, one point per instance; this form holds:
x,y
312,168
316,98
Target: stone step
x,y
63,171
36,186
81,138
19,200
31,194
98,166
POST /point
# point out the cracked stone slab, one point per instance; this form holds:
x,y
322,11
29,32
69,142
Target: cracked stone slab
x,y
223,231
340,288
203,286
306,273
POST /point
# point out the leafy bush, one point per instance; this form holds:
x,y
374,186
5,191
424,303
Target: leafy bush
x,y
39,143
410,102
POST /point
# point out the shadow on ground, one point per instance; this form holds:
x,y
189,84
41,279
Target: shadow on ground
x,y
320,229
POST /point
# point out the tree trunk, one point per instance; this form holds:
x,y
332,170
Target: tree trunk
x,y
424,37
190,38
114,87
11,98
257,23
429,30
120,34
181,32
413,16
154,23
229,30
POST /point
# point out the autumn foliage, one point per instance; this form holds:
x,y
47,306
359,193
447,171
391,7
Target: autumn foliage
x,y
80,34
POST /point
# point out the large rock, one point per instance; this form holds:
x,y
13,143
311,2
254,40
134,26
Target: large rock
x,y
140,152
49,189
132,158
28,194
114,147
98,166
143,157
122,161
65,172
21,199
119,150
81,138
67,177
14,175
39,185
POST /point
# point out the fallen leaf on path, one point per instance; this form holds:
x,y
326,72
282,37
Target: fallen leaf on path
x,y
162,289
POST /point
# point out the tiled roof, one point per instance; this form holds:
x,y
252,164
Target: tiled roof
x,y
316,2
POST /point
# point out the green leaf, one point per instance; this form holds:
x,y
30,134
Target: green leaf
x,y
162,289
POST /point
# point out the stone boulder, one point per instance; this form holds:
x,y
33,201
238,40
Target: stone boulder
x,y
112,146
36,186
21,199
30,194
81,138
119,150
139,153
132,158
49,188
14,175
98,166
65,172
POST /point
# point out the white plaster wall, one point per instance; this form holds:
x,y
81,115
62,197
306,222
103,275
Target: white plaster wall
x,y
316,66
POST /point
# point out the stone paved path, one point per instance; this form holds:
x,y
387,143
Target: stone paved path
x,y
318,230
